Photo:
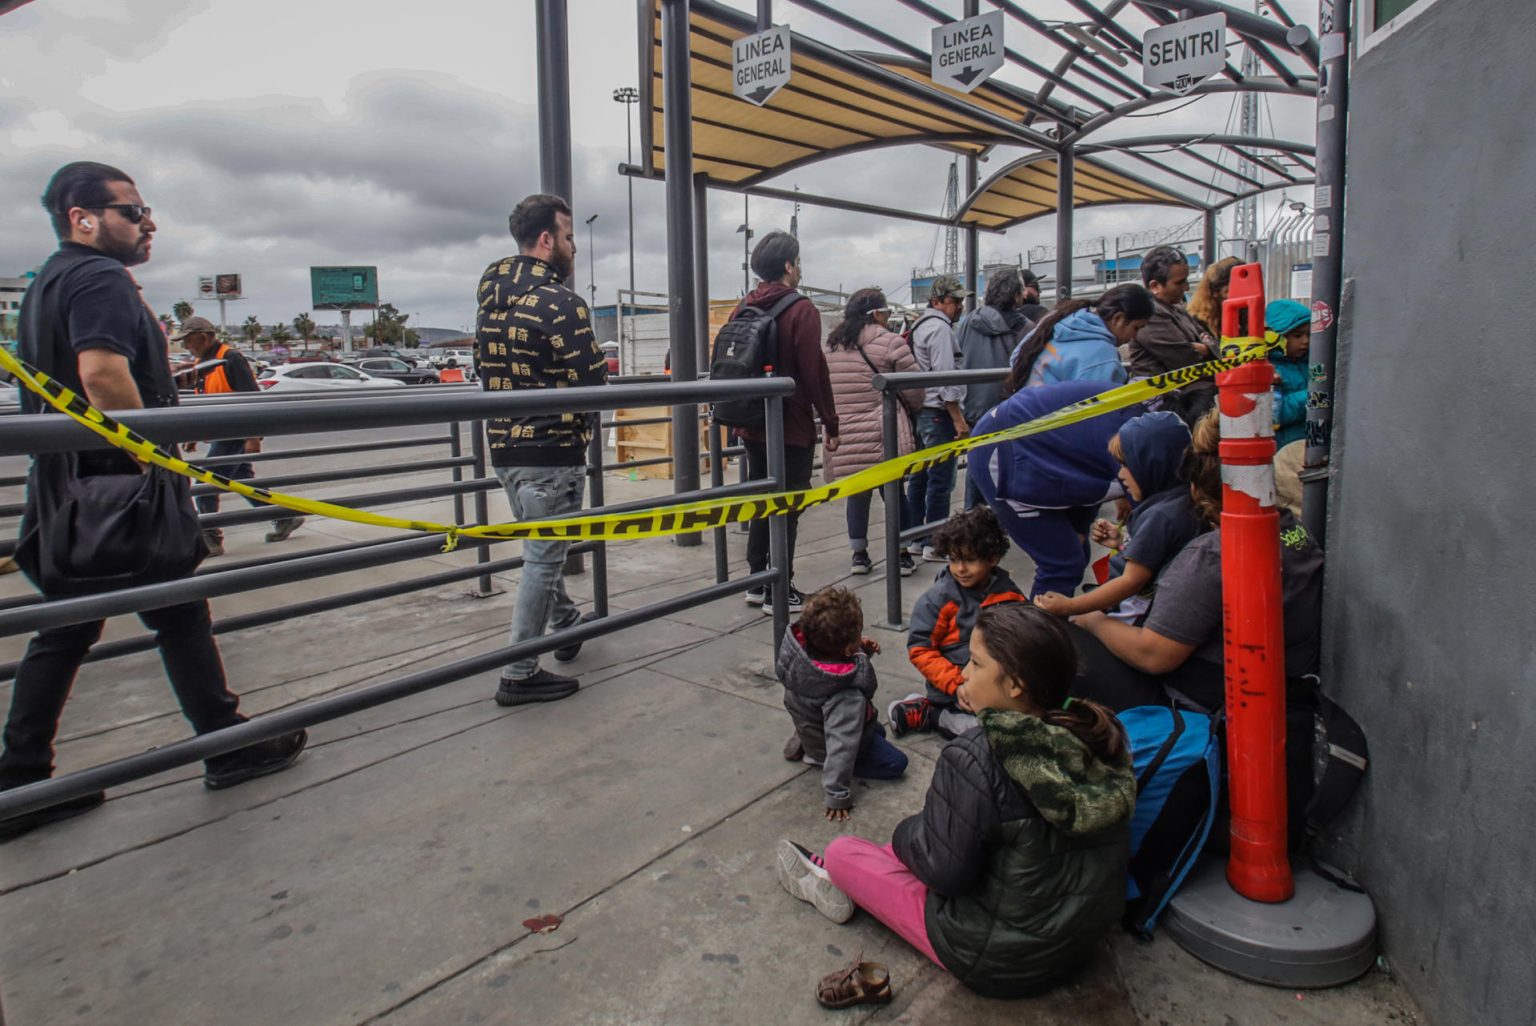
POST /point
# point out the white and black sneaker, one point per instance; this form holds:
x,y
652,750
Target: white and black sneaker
x,y
755,595
861,564
796,601
801,874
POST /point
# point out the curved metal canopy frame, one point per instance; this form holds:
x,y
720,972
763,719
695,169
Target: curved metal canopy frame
x,y
1258,151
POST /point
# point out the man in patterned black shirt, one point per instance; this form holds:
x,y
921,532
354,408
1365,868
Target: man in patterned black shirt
x,y
534,332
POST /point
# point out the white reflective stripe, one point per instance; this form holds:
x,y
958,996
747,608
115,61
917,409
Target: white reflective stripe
x,y
1256,482
1256,423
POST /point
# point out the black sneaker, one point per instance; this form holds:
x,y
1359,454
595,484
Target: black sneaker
x,y
755,596
543,686
860,564
566,653
908,568
15,826
796,601
253,761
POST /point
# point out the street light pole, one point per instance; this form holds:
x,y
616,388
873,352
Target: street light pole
x,y
745,230
628,95
591,262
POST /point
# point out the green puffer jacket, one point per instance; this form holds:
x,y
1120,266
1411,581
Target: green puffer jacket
x,y
1022,841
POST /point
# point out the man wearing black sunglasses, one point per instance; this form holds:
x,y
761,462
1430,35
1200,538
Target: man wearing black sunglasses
x,y
84,324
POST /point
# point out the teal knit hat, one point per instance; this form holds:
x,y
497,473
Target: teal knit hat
x,y
1284,316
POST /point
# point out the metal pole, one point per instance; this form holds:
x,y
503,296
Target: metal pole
x,y
482,505
595,490
717,480
591,262
701,266
223,330
456,449
1065,174
1211,242
553,48
681,268
891,493
346,331
972,236
778,526
1327,262
764,15
553,51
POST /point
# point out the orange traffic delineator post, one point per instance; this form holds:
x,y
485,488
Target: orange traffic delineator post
x,y
1254,637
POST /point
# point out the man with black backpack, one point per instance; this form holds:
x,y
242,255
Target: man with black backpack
x,y
776,330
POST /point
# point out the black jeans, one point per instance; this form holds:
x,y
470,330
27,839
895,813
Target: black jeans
x,y
47,672
797,475
235,472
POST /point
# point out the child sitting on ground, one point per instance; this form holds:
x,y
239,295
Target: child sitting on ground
x,y
828,686
1014,869
1151,450
939,644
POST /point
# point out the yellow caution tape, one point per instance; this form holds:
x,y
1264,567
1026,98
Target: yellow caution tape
x,y
652,523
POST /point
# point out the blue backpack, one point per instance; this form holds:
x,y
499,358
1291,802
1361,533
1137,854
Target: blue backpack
x,y
1177,757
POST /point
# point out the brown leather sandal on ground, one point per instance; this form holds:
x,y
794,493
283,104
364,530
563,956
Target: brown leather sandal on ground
x,y
860,983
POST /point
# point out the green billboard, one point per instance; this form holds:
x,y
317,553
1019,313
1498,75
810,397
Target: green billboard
x,y
344,288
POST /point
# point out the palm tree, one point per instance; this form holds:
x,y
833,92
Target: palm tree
x,y
279,333
182,310
304,326
251,329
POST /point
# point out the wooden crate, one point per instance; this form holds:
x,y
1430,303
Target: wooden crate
x,y
648,441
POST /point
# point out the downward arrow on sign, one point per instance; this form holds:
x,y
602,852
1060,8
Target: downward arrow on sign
x,y
760,95
967,76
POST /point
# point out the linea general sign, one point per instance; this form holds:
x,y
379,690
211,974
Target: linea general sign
x,y
967,52
760,64
1180,56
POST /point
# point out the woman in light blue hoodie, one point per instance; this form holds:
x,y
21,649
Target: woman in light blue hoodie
x,y
1079,340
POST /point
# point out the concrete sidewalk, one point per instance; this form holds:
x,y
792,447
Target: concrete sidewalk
x,y
386,877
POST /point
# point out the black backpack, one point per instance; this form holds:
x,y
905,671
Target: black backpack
x,y
747,347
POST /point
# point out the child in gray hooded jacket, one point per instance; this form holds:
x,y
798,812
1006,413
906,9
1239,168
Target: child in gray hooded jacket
x,y
829,687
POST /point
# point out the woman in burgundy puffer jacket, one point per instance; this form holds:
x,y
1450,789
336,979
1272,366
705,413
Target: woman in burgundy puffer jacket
x,y
858,347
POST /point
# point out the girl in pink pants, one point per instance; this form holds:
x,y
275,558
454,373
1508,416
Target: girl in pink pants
x,y
1016,865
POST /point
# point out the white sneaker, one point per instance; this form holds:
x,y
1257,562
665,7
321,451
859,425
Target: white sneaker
x,y
931,555
810,882
916,549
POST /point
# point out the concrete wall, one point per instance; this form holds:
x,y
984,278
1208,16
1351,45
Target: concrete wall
x,y
1431,596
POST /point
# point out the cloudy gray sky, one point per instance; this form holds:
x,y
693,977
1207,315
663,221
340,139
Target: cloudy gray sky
x,y
273,136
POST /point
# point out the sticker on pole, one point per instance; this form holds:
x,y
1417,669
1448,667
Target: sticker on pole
x,y
1322,316
1180,56
967,52
760,64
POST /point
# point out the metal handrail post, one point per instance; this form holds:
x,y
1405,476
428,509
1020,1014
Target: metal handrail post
x,y
717,480
778,525
891,492
456,449
595,490
482,504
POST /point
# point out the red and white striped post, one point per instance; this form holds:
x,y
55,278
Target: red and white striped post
x,y
1258,868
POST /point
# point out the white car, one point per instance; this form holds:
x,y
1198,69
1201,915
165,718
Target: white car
x,y
464,358
320,377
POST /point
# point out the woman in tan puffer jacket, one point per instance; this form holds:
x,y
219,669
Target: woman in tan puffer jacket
x,y
859,346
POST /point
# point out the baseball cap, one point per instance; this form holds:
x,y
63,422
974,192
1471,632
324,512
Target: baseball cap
x,y
191,326
1030,277
948,285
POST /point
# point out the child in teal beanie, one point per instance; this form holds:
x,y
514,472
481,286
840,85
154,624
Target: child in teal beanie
x,y
1290,321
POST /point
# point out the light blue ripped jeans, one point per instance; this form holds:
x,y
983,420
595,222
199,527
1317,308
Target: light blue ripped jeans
x,y
541,493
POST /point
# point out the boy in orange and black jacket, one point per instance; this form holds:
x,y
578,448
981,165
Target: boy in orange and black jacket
x,y
940,641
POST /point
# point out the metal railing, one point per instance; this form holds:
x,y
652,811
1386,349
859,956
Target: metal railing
x,y
260,416
890,386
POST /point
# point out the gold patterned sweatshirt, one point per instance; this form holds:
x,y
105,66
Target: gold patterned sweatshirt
x,y
533,332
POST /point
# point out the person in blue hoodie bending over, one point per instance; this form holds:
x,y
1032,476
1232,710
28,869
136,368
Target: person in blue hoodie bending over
x,y
1046,489
1151,450
1080,340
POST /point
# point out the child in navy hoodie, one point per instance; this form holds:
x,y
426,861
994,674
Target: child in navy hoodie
x,y
1150,449
828,686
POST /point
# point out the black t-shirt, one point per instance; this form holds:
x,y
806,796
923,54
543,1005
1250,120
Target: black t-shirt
x,y
1159,528
101,309
237,371
1187,606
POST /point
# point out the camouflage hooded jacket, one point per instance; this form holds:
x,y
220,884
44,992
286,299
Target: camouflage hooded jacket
x,y
533,332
